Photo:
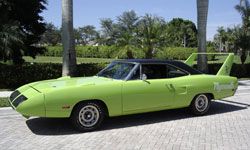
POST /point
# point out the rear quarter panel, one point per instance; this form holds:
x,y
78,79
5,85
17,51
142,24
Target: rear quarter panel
x,y
186,88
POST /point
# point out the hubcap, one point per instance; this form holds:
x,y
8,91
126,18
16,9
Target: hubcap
x,y
201,103
88,116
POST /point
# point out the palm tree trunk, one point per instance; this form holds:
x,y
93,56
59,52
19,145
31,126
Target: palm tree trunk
x,y
202,11
220,45
69,54
185,40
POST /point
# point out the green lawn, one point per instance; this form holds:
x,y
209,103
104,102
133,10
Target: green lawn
x,y
221,59
4,102
46,59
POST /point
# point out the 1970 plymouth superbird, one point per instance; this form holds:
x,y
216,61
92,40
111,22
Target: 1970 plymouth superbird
x,y
125,87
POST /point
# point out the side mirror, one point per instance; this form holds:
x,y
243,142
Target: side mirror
x,y
144,77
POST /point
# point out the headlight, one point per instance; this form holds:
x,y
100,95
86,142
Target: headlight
x,y
14,95
19,100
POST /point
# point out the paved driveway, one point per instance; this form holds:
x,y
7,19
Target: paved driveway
x,y
227,126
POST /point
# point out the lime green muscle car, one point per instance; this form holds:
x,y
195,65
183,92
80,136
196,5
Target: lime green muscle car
x,y
125,87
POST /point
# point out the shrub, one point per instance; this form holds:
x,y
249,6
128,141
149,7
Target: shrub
x,y
238,70
13,76
179,53
95,52
84,51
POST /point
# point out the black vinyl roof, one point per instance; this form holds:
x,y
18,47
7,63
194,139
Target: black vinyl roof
x,y
178,64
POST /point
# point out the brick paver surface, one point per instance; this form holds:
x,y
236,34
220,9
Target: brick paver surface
x,y
227,126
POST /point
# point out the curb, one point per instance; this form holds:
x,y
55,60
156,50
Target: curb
x,y
5,108
5,93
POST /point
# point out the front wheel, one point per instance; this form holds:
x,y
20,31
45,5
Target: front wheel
x,y
200,104
87,116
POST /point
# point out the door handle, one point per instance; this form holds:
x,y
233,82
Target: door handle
x,y
170,86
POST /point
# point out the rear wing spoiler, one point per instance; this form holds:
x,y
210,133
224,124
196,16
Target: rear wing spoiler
x,y
225,68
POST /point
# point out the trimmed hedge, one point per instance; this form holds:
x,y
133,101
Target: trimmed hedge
x,y
94,52
179,53
238,70
83,51
12,76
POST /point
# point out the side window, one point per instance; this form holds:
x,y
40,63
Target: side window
x,y
154,71
173,72
158,71
136,74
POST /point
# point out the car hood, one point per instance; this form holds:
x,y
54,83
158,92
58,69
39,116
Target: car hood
x,y
67,82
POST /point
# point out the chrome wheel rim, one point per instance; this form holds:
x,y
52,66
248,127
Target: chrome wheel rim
x,y
88,116
201,103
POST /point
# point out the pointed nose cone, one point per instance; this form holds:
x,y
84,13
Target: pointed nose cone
x,y
33,105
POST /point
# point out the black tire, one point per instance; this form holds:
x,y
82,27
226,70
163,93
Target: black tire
x,y
87,116
200,104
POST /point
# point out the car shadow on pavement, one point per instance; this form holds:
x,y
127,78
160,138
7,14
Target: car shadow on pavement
x,y
52,126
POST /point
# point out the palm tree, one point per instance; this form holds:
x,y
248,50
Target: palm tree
x,y
244,9
150,34
222,37
69,54
202,11
127,23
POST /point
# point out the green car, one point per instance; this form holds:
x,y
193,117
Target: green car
x,y
125,87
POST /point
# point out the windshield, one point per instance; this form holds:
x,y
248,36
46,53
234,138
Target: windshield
x,y
117,70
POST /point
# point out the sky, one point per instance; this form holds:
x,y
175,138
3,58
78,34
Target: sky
x,y
89,12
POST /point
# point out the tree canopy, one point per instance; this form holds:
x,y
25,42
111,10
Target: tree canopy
x,y
21,27
52,35
147,32
129,31
236,39
181,32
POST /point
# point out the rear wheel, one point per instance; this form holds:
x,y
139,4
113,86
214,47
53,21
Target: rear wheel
x,y
200,104
87,116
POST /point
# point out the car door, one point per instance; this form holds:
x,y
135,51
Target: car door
x,y
182,86
154,93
